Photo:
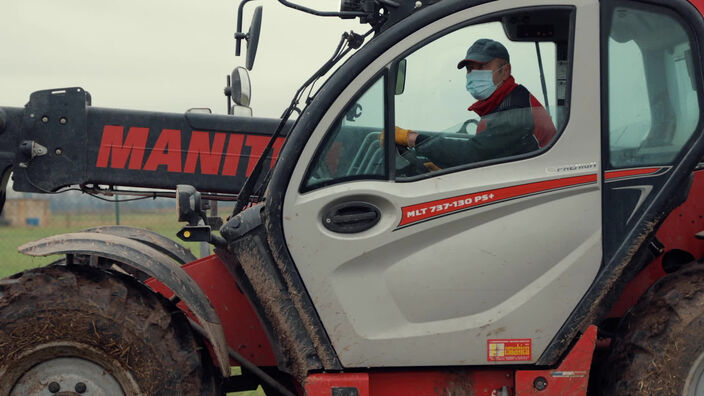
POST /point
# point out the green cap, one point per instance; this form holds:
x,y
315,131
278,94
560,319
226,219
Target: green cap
x,y
483,51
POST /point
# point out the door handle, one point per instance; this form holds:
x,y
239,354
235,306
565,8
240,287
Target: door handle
x,y
351,217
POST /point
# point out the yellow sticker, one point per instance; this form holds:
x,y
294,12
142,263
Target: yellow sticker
x,y
509,350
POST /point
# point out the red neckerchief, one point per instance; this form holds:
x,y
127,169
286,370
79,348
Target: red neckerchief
x,y
486,106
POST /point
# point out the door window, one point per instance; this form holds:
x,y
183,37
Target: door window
x,y
493,109
442,121
653,105
353,149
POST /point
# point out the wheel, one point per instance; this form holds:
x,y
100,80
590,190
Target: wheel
x,y
662,349
80,329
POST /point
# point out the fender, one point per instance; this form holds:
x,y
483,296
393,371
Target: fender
x,y
150,238
146,259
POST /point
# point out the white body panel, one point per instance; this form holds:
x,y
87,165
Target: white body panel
x,y
434,292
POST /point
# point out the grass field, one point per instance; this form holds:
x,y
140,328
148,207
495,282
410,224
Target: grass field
x,y
163,222
11,261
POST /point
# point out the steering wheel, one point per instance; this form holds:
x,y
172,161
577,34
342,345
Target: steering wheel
x,y
463,128
416,166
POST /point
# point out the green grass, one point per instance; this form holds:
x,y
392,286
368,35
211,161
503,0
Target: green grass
x,y
11,261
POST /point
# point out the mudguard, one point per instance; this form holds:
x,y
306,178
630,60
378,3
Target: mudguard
x,y
152,239
146,259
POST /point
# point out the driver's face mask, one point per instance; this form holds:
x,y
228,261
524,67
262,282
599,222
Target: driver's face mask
x,y
480,83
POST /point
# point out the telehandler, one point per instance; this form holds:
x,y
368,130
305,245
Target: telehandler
x,y
352,267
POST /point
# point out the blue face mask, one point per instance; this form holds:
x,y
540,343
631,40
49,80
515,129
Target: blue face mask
x,y
480,83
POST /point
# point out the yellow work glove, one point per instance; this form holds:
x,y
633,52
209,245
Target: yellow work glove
x,y
432,167
401,137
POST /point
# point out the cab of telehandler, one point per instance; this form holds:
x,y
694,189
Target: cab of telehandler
x,y
429,267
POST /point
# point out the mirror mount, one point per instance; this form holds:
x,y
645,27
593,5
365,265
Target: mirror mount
x,y
228,94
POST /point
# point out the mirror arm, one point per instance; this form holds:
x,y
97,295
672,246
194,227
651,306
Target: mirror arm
x,y
248,187
343,14
390,3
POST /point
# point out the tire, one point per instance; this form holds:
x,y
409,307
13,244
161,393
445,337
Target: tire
x,y
662,348
72,327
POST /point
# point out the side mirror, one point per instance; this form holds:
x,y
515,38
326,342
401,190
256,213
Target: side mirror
x,y
240,86
400,77
252,36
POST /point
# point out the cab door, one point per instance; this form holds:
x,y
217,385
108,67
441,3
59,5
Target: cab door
x,y
410,262
654,112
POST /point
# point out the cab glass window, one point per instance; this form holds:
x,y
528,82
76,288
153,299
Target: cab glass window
x,y
514,107
653,108
506,100
353,148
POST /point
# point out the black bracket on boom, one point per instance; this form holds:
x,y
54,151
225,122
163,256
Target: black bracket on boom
x,y
52,150
192,210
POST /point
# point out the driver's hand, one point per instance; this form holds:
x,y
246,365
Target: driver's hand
x,y
402,136
432,167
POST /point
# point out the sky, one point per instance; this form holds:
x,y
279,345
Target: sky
x,y
160,55
172,55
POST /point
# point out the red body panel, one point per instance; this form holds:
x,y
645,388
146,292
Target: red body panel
x,y
699,4
676,232
243,330
321,384
412,382
571,378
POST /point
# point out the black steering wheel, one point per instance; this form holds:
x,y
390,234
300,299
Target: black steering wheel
x,y
463,128
416,166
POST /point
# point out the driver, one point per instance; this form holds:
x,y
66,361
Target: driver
x,y
512,120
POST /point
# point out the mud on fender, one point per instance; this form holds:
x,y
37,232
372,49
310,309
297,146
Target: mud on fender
x,y
269,293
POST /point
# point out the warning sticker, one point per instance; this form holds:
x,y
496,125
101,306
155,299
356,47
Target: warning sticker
x,y
509,350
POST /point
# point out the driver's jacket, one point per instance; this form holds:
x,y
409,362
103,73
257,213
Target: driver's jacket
x,y
512,122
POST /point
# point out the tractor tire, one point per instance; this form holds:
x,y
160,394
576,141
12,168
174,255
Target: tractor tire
x,y
80,329
662,348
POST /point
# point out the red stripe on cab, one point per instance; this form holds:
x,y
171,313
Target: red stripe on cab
x,y
629,172
418,212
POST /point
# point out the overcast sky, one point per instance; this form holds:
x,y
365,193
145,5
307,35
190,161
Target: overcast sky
x,y
159,55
